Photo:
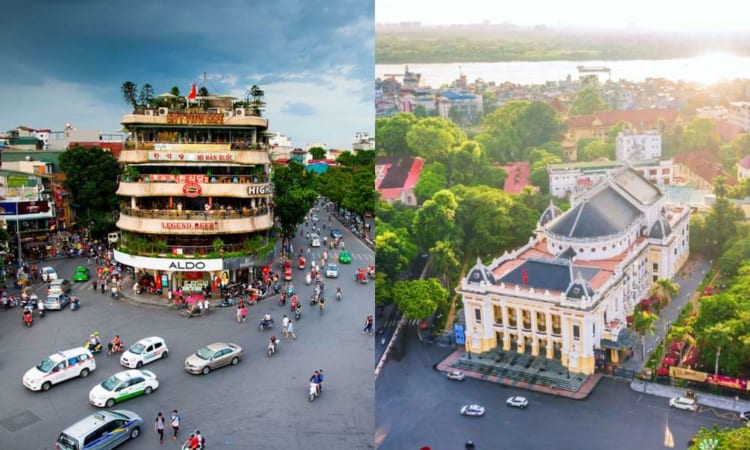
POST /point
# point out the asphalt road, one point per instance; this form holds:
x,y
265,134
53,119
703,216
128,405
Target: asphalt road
x,y
612,417
261,403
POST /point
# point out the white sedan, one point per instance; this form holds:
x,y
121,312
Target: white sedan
x,y
332,271
123,386
145,351
472,410
517,402
455,375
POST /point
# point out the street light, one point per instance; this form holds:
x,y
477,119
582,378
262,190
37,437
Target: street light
x,y
18,239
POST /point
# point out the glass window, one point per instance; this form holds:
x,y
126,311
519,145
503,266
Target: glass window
x,y
576,332
478,315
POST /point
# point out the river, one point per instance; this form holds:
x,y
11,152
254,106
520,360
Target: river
x,y
705,69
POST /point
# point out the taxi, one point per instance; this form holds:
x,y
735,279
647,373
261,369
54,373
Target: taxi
x,y
123,386
59,367
145,351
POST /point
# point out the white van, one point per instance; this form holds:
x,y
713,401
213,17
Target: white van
x,y
314,240
59,367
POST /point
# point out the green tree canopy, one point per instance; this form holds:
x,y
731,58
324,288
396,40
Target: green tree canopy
x,y
395,252
701,134
588,101
317,152
417,299
146,96
597,149
294,195
721,438
390,134
434,221
129,91
433,137
91,177
432,179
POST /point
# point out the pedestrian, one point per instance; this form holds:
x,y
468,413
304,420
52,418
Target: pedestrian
x,y
239,313
174,421
368,326
103,285
284,325
290,329
159,426
243,311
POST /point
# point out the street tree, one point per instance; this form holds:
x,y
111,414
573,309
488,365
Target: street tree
x,y
682,334
294,195
588,101
361,194
390,134
395,252
383,290
317,152
435,220
595,150
444,262
91,177
644,322
433,137
721,225
129,93
716,438
417,299
734,256
664,289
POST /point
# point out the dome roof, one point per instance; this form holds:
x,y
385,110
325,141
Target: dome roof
x,y
480,273
660,229
549,214
579,288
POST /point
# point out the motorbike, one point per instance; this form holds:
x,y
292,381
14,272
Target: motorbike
x,y
93,348
313,299
271,349
186,444
9,302
321,306
112,349
227,302
74,304
308,279
298,313
265,324
338,295
28,318
313,391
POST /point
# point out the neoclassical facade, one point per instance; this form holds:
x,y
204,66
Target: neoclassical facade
x,y
566,295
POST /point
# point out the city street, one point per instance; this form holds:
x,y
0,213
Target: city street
x,y
613,416
260,403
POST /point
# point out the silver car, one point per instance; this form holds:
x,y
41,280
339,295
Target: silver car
x,y
103,430
213,356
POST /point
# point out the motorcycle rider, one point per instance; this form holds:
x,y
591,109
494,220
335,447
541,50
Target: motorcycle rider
x,y
114,346
27,317
272,344
297,312
266,322
93,342
322,304
338,293
39,305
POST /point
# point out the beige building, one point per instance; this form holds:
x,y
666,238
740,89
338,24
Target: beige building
x,y
197,195
567,294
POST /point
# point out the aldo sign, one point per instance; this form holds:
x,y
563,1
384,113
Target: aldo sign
x,y
169,264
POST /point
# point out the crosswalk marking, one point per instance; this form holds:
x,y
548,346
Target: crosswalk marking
x,y
317,256
392,323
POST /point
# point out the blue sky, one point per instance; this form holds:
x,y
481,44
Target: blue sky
x,y
64,61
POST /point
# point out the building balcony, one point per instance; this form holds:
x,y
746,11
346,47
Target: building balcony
x,y
197,154
183,117
229,186
612,329
174,222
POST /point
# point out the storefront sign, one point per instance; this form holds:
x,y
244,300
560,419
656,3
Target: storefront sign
x,y
8,208
189,156
21,181
192,190
195,118
185,225
259,189
169,264
163,146
166,178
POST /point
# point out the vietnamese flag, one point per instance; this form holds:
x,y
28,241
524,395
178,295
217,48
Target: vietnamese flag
x,y
193,92
524,276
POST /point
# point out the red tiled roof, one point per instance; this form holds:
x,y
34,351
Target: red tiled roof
x,y
647,117
726,130
518,177
394,174
745,162
705,164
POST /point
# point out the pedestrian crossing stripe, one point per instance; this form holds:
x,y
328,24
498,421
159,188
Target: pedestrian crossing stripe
x,y
393,323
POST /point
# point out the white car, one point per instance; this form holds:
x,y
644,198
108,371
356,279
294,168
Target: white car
x,y
48,274
455,375
687,404
145,351
59,367
517,402
314,240
472,410
332,271
123,386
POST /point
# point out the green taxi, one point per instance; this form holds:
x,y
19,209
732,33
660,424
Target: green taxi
x,y
345,257
81,274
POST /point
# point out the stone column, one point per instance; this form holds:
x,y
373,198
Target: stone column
x,y
534,339
550,344
519,327
506,333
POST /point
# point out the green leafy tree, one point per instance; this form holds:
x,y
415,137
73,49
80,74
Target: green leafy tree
x,y
383,290
588,101
294,195
432,138
500,140
397,214
664,289
490,176
644,322
203,91
716,438
417,299
736,253
395,252
597,149
615,130
721,225
175,91
361,197
257,105
434,221
432,179
539,159
91,177
444,262
317,152
129,93
701,134
146,97
390,134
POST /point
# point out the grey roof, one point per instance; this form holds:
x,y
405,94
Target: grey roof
x,y
551,275
604,214
579,288
640,188
660,229
480,273
568,254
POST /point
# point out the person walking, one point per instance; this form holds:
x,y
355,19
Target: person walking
x,y
368,326
290,330
243,312
239,313
284,327
174,421
159,424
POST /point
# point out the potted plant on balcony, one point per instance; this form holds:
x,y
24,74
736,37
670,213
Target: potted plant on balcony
x,y
218,245
131,174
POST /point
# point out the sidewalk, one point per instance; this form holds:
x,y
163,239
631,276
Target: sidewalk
x,y
709,400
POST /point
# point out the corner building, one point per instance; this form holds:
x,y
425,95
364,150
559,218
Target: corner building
x,y
567,294
197,196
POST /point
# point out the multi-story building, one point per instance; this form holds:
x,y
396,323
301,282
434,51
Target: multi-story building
x,y
363,141
197,196
632,146
280,147
27,211
739,115
572,178
568,293
470,106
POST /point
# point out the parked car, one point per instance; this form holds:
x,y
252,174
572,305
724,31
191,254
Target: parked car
x,y
81,274
59,367
455,375
56,301
48,274
145,351
103,430
472,410
688,404
517,402
212,357
345,257
123,386
332,271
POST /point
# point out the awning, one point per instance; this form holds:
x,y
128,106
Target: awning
x,y
624,340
